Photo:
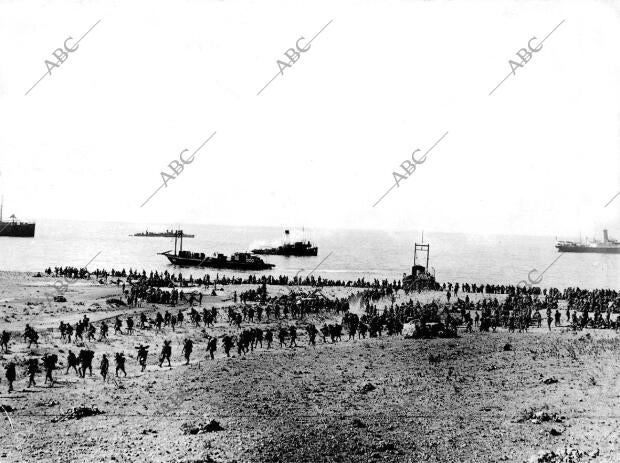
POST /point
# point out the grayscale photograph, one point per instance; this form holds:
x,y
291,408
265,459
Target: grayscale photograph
x,y
310,231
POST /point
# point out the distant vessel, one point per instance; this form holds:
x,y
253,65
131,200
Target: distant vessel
x,y
297,249
238,261
166,234
607,246
15,228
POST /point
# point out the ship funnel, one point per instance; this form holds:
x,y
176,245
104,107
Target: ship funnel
x,y
605,237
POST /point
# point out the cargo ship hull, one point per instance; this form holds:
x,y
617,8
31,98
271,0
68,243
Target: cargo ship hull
x,y
589,249
16,229
607,246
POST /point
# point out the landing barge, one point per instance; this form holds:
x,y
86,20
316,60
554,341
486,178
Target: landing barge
x,y
238,261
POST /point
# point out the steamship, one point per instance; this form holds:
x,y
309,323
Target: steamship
x,y
607,246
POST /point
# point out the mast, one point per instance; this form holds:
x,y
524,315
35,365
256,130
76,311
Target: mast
x,y
1,207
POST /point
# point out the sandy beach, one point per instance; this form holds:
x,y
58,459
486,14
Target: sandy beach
x,y
376,399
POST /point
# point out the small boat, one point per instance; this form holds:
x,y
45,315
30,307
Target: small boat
x,y
166,234
238,261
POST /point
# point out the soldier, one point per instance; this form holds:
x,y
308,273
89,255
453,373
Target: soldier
x,y
103,330
85,358
142,353
312,332
173,321
49,363
90,335
31,335
119,359
4,340
180,317
69,331
166,352
158,321
258,337
32,369
104,366
10,374
71,362
118,324
293,332
242,343
79,329
212,346
268,337
142,321
129,323
282,336
228,344
188,345
363,329
324,332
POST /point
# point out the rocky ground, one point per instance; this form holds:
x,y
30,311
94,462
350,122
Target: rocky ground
x,y
489,397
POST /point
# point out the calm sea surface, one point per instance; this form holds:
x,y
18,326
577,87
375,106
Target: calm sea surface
x,y
354,253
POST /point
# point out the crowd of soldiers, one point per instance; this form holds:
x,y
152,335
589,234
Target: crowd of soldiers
x,y
84,330
519,310
167,279
68,272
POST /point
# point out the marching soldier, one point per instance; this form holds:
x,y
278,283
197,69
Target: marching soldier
x,y
32,369
188,346
104,366
166,352
212,346
11,375
71,362
119,359
49,363
142,353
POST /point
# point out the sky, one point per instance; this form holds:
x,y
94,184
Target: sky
x,y
319,146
